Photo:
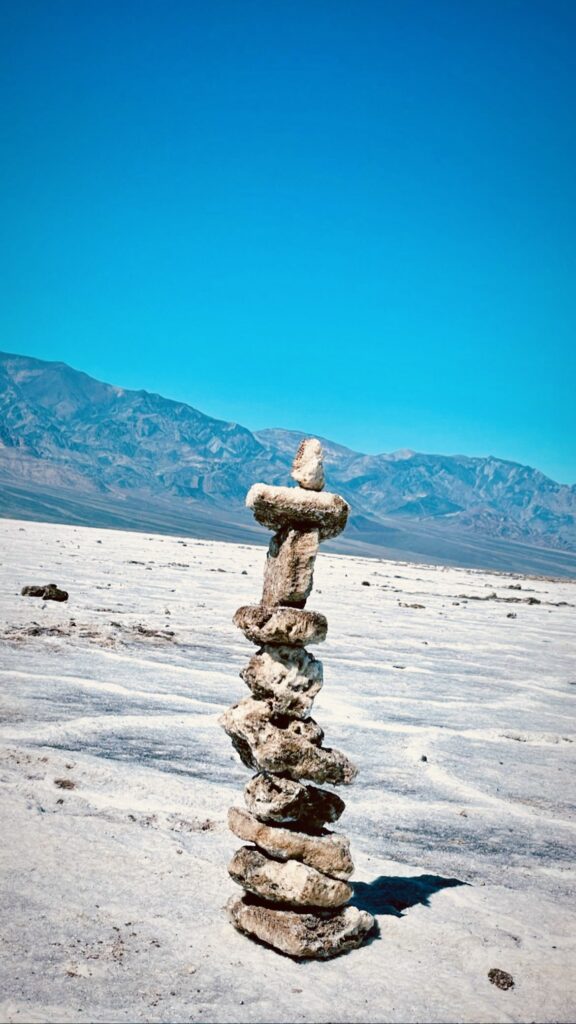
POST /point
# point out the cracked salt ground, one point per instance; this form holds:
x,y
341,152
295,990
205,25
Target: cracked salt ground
x,y
83,868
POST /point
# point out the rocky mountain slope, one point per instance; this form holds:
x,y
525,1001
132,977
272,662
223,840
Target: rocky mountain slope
x,y
69,441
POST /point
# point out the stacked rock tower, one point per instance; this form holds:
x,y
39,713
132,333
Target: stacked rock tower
x,y
295,872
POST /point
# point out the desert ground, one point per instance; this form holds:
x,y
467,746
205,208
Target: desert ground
x,y
451,689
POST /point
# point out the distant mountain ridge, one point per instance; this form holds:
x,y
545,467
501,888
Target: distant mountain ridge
x,y
63,433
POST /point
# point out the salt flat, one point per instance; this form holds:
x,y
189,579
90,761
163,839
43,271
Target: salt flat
x,y
116,779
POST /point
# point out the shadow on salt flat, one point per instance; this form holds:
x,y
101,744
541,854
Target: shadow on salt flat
x,y
394,894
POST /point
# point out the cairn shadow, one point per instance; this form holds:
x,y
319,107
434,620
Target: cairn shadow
x,y
393,895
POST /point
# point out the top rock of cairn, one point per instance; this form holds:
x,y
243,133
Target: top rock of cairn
x,y
303,508
308,465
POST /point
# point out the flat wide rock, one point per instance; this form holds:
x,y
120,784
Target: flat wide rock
x,y
299,509
329,853
275,800
289,571
286,882
287,747
287,677
292,626
308,936
308,465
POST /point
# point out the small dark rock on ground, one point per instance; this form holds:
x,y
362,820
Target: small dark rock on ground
x,y
501,979
50,592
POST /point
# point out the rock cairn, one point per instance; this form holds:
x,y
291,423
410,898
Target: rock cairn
x,y
295,871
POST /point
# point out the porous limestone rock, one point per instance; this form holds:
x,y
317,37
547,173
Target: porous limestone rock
x,y
308,465
255,723
285,746
319,764
286,881
284,801
293,626
290,567
287,677
278,507
317,935
328,853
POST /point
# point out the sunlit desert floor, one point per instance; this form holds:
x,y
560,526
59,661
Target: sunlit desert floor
x,y
455,704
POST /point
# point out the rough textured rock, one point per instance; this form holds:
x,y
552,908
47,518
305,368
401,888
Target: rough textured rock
x,y
308,465
319,935
286,882
255,721
279,507
284,801
49,592
329,853
284,746
287,677
259,738
293,626
321,765
290,567
501,979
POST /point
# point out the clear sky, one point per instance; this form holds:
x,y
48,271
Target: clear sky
x,y
352,218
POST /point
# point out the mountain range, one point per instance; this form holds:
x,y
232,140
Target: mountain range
x,y
74,449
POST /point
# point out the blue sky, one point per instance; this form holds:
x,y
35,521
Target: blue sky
x,y
351,218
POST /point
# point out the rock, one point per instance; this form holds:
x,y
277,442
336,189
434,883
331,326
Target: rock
x,y
284,746
256,732
319,935
286,882
290,568
50,592
284,801
293,507
287,677
308,465
318,765
293,626
500,978
256,721
329,853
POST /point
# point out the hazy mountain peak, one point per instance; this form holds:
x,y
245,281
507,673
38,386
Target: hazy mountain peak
x,y
402,453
